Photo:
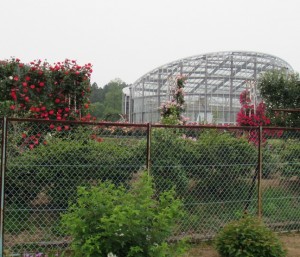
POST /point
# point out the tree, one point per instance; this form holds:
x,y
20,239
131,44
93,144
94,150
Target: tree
x,y
108,100
281,90
97,93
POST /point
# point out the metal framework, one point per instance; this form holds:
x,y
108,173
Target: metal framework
x,y
214,84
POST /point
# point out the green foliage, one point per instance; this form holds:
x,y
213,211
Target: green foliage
x,y
281,90
97,93
167,151
291,158
172,118
107,101
125,222
17,220
281,204
208,160
248,237
56,169
222,160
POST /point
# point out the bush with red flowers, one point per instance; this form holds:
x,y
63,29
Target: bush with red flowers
x,y
44,91
251,114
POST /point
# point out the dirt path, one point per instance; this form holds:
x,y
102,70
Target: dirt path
x,y
290,241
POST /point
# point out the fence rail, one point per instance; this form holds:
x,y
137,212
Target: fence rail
x,y
219,172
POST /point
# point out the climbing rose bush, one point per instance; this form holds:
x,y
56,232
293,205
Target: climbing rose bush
x,y
43,91
171,111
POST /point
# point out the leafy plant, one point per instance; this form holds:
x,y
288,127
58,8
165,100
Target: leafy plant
x,y
248,237
280,90
133,222
291,158
56,169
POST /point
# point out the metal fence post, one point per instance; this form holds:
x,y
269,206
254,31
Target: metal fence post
x,y
148,160
3,167
259,177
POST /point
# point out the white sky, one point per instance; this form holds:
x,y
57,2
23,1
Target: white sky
x,y
127,38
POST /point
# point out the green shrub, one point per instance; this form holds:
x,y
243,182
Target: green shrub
x,y
222,165
56,170
209,159
125,222
291,158
248,237
168,149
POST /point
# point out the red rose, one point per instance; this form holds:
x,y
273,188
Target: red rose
x,y
27,78
43,108
24,84
12,107
59,128
51,112
26,99
52,126
41,84
32,86
57,101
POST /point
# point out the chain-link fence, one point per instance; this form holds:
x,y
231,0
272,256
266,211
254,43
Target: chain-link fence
x,y
215,171
281,183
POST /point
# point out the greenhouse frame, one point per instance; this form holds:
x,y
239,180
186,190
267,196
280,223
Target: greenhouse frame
x,y
212,90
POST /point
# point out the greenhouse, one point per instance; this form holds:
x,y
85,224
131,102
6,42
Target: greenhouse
x,y
212,90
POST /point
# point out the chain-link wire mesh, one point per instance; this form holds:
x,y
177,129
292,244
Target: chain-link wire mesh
x,y
46,162
1,139
281,179
214,170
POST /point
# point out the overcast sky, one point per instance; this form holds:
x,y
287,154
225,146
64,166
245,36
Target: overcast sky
x,y
127,38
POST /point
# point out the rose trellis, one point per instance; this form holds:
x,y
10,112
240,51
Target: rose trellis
x,y
44,91
171,111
